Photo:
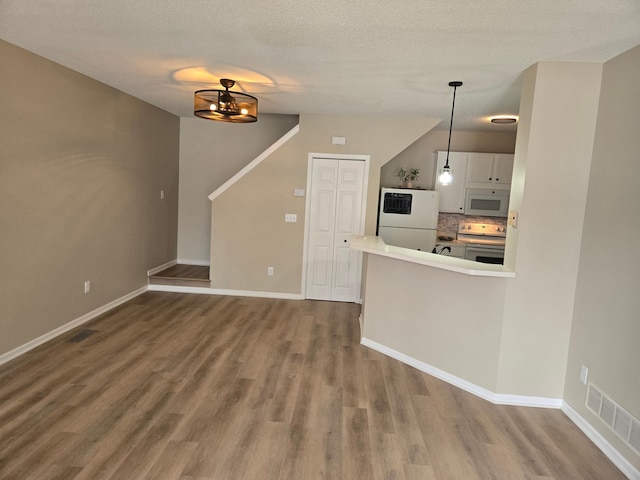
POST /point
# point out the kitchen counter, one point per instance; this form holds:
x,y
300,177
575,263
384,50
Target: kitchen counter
x,y
376,246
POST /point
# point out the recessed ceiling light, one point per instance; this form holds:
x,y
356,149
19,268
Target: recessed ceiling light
x,y
504,119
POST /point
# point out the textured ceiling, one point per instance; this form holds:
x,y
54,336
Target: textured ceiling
x,y
324,56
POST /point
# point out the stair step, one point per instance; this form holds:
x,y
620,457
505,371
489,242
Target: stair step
x,y
181,282
182,275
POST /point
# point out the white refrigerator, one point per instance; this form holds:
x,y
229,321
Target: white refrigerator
x,y
408,218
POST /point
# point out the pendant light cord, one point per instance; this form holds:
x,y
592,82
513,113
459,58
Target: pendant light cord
x,y
453,106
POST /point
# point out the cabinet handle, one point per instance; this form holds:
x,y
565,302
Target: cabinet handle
x,y
497,179
489,178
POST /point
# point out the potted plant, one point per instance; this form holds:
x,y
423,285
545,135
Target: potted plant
x,y
408,176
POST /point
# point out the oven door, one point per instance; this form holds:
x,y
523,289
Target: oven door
x,y
485,254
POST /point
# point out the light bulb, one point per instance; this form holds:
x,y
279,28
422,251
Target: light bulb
x,y
244,111
445,177
213,107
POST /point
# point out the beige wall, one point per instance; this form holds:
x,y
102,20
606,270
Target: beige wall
x,y
605,335
210,154
81,169
419,311
248,232
420,154
539,301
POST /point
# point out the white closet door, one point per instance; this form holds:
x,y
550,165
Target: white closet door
x,y
333,269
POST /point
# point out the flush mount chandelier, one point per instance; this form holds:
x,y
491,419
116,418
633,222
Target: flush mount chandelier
x,y
225,106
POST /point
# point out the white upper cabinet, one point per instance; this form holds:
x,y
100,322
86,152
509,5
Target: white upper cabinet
x,y
503,169
471,170
452,196
488,169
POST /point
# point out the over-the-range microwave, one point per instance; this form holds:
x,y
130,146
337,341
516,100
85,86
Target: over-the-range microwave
x,y
486,202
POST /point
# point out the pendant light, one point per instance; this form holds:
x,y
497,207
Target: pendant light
x,y
225,106
446,174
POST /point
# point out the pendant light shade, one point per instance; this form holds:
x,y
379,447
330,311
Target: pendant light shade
x,y
225,106
445,176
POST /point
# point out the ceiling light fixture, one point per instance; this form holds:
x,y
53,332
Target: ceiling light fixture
x,y
504,119
225,106
446,174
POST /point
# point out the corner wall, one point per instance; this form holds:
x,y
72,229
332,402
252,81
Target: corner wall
x,y
248,232
81,170
605,335
539,302
210,154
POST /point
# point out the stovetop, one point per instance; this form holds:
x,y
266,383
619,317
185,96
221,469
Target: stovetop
x,y
482,233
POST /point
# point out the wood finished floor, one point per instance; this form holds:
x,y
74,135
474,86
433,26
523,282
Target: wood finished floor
x,y
195,387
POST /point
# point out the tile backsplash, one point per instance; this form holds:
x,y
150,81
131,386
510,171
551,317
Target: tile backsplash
x,y
448,222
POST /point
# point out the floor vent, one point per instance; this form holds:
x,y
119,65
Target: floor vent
x,y
625,425
78,337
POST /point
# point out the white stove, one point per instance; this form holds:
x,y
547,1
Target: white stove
x,y
484,242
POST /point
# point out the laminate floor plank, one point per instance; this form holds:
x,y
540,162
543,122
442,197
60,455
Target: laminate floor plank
x,y
358,464
418,472
413,448
171,462
199,387
385,447
446,449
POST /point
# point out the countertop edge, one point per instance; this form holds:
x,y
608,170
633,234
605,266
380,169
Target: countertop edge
x,y
376,246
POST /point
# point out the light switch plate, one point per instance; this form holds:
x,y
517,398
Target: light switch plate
x,y
298,192
584,373
290,217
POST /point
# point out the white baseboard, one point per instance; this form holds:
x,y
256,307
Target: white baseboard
x,y
526,401
159,268
219,291
497,398
602,443
188,261
16,352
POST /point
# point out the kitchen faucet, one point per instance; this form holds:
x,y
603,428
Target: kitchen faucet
x,y
441,250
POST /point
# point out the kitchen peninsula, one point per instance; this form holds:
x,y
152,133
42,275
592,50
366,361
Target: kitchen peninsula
x,y
440,314
376,246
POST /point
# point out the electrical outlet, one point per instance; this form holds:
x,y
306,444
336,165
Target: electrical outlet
x,y
290,217
161,194
270,271
584,372
87,286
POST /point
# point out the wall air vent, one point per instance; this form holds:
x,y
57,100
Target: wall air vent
x,y
625,425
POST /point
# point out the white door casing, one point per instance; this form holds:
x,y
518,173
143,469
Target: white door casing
x,y
335,211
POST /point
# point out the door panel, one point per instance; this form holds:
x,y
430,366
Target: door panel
x,y
335,214
321,275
